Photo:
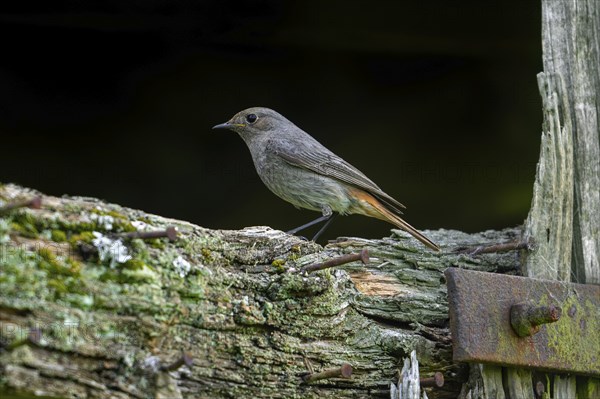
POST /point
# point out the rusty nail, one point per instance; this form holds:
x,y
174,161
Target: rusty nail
x,y
345,371
33,203
526,319
186,358
436,381
494,248
170,232
363,256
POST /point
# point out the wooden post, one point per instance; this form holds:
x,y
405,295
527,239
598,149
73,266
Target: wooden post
x,y
570,87
563,221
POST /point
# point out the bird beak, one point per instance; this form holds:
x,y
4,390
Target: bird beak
x,y
228,125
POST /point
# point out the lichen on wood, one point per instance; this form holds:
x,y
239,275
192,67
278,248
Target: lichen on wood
x,y
74,325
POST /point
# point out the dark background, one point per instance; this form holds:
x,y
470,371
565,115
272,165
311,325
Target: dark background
x,y
436,101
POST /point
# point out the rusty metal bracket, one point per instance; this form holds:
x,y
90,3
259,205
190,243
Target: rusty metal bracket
x,y
480,321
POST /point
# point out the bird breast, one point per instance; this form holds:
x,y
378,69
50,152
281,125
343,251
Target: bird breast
x,y
301,187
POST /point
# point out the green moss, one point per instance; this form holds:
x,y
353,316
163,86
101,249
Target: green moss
x,y
194,287
292,285
74,264
110,275
278,264
156,243
84,236
206,254
20,276
134,264
295,253
114,214
120,222
138,245
131,272
575,345
83,226
47,254
192,293
70,289
59,236
102,212
4,231
25,224
50,263
79,300
58,286
125,226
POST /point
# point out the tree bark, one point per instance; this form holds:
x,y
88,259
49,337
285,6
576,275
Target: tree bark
x,y
74,325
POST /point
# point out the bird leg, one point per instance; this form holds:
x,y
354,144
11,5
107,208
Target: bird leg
x,y
327,223
327,217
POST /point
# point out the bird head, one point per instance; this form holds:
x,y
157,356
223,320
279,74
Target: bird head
x,y
254,122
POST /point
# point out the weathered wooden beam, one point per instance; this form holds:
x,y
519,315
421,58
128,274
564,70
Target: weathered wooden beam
x,y
76,321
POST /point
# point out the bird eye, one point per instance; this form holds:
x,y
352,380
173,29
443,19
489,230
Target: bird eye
x,y
251,118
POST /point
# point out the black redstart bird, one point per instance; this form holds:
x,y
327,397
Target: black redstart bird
x,y
300,170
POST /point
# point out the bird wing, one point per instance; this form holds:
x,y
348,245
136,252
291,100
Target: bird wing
x,y
313,156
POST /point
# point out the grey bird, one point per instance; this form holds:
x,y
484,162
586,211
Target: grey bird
x,y
300,170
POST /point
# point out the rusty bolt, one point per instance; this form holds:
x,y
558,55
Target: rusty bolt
x,y
363,256
526,319
33,203
170,233
345,371
436,381
186,358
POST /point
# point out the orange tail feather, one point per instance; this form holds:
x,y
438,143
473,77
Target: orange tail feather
x,y
379,211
